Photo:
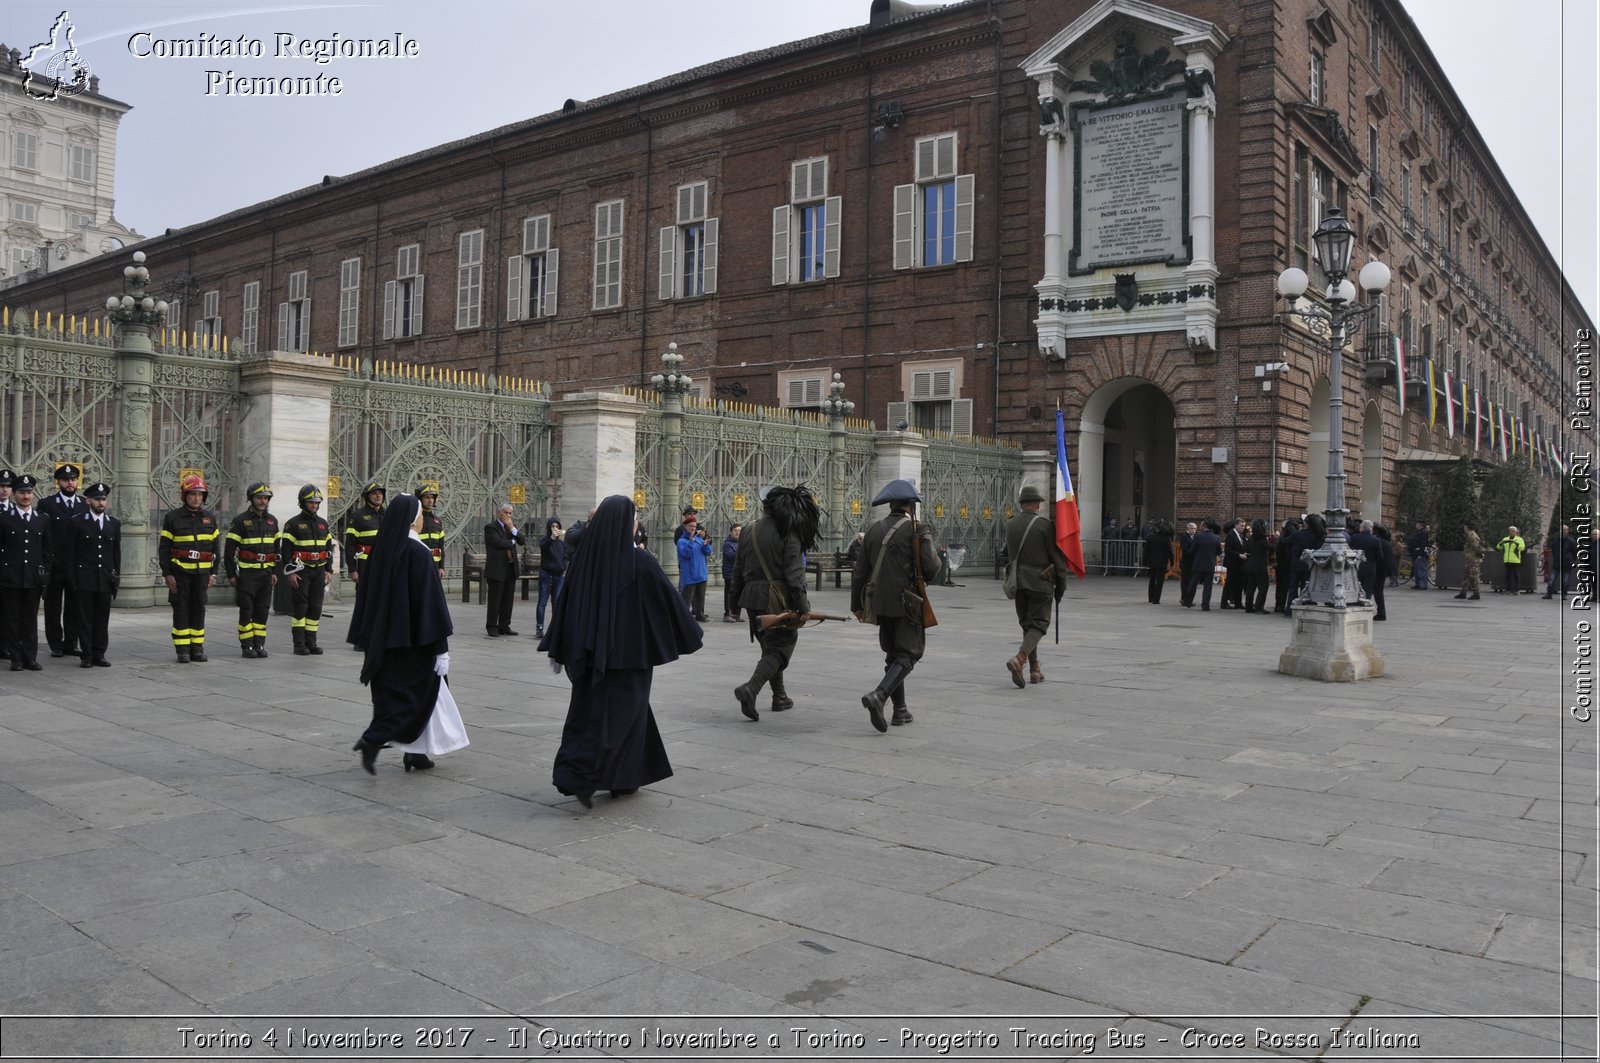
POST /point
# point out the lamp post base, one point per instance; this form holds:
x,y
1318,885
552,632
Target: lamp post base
x,y
1333,645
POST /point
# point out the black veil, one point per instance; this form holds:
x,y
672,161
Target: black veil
x,y
401,603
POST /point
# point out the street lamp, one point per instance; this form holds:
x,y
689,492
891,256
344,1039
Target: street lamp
x,y
1333,619
672,384
836,407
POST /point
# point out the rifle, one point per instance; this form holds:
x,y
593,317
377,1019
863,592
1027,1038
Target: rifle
x,y
794,619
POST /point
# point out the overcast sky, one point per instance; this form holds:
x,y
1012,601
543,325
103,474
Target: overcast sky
x,y
1528,79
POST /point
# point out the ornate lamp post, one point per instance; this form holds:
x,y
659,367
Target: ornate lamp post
x,y
1333,620
672,384
837,407
135,317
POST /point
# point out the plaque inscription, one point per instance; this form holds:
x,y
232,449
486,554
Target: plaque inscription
x,y
1131,182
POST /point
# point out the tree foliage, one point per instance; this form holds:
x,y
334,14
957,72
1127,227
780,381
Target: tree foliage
x,y
1458,506
1511,497
1415,502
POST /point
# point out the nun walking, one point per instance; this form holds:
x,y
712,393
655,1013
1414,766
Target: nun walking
x,y
406,633
617,618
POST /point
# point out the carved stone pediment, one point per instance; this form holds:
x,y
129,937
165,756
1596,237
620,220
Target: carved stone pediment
x,y
1410,143
1326,128
1407,267
1429,286
1322,26
1428,170
1378,101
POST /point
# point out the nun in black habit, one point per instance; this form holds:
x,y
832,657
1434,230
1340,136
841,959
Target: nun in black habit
x,y
617,618
407,632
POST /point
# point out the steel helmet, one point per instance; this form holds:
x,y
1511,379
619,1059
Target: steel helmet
x,y
257,488
309,493
194,483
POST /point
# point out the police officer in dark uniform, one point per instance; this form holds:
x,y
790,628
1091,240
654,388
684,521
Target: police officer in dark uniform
x,y
60,617
93,562
187,552
768,577
25,563
307,552
894,548
250,561
432,533
361,529
6,505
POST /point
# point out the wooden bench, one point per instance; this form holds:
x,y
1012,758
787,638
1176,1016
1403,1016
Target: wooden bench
x,y
472,572
836,565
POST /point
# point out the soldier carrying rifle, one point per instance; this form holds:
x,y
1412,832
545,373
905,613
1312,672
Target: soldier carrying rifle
x,y
769,578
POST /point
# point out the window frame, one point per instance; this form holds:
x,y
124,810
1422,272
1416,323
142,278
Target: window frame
x,y
533,276
610,218
469,280
349,302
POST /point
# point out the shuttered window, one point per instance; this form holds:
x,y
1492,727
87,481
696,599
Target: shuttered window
x,y
933,216
806,230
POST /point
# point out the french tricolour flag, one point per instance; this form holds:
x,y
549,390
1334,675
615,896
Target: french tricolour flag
x,y
1067,529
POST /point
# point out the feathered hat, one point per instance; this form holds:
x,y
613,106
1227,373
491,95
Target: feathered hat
x,y
794,511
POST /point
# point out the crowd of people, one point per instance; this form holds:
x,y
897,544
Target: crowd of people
x,y
1249,560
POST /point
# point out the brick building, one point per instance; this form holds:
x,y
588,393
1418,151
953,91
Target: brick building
x,y
927,205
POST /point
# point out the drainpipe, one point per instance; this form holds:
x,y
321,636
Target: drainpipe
x,y
999,119
866,282
644,247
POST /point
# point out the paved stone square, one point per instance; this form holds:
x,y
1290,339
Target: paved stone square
x,y
1166,840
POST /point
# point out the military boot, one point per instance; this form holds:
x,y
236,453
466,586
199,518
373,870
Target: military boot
x,y
781,701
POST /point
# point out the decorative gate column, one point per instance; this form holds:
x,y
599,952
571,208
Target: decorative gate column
x,y
673,386
899,457
837,407
135,315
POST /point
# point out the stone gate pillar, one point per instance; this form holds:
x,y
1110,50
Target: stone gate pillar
x,y
286,422
599,437
897,456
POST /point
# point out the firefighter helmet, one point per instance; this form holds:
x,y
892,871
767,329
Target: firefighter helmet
x,y
194,483
257,488
375,486
309,493
426,489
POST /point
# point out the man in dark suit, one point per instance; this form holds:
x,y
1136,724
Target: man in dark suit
x,y
1371,570
501,541
93,563
1207,548
60,616
1235,552
1186,564
25,563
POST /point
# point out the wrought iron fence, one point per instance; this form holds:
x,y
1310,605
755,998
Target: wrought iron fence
x,y
730,450
969,489
482,440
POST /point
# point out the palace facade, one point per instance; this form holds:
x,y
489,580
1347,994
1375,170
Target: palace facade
x,y
974,214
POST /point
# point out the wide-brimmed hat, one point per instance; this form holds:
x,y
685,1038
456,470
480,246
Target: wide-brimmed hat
x,y
897,491
1030,493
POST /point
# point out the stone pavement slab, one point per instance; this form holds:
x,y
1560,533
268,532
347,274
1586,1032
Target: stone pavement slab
x,y
1165,828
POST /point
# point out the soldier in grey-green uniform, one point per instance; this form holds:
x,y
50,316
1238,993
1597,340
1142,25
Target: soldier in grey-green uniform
x,y
1472,563
1041,572
888,560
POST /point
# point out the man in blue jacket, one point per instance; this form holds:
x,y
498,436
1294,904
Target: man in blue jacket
x,y
693,549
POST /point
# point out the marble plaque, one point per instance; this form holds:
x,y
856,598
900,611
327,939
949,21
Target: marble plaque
x,y
1131,181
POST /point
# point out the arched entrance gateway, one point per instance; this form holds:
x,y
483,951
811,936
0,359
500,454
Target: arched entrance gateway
x,y
1127,453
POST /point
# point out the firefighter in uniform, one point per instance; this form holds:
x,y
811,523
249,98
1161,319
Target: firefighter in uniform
x,y
307,552
187,553
250,560
432,533
93,562
361,529
60,617
25,564
895,548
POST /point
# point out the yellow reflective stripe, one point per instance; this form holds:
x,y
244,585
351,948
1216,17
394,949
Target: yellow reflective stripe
x,y
359,534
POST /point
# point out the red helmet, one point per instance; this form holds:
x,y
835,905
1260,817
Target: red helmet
x,y
194,483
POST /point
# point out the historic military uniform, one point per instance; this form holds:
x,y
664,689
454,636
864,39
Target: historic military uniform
x,y
1041,578
60,617
187,553
768,577
361,529
25,563
307,552
432,533
1472,564
250,559
894,549
93,563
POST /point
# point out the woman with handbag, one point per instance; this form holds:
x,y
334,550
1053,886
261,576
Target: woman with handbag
x,y
889,588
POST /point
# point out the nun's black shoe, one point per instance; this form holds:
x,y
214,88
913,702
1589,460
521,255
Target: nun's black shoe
x,y
585,798
369,755
419,761
624,793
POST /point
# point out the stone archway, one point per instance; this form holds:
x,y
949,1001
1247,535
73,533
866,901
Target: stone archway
x,y
1127,455
1317,441
1371,507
